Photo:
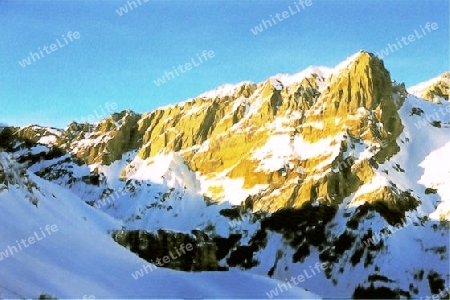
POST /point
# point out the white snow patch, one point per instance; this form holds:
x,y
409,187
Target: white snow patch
x,y
437,175
224,90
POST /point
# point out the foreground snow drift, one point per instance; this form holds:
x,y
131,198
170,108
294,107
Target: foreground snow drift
x,y
52,243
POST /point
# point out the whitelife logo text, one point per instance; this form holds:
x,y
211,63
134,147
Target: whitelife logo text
x,y
296,280
165,260
49,49
187,66
411,38
265,24
36,237
110,108
124,9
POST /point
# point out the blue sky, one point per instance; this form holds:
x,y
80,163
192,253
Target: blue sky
x,y
117,58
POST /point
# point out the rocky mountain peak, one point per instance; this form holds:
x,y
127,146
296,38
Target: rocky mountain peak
x,y
435,90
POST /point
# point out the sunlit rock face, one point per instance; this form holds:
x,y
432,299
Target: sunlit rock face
x,y
288,140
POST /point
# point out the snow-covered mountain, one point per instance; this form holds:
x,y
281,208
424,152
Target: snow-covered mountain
x,y
436,89
332,174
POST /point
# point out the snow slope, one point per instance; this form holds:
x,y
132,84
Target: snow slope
x,y
80,257
439,179
420,146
